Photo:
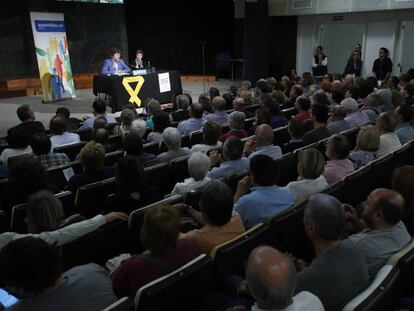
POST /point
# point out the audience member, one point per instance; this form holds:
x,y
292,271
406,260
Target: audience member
x,y
18,144
389,141
101,136
32,269
28,124
319,117
194,123
302,106
42,150
61,136
198,167
92,157
311,165
337,262
73,123
213,92
205,101
161,121
153,106
386,100
239,104
354,117
211,134
404,129
132,144
139,127
352,92
231,159
266,198
381,233
366,148
172,139
219,115
99,110
277,118
262,143
337,123
164,252
338,165
219,222
127,117
183,103
372,106
296,130
236,124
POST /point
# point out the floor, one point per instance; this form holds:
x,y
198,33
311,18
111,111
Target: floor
x,y
81,106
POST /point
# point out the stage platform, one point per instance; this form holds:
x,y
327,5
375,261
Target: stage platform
x,y
81,106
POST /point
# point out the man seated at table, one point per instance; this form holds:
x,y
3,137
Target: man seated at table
x,y
115,65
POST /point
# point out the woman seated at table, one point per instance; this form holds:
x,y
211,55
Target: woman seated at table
x,y
115,65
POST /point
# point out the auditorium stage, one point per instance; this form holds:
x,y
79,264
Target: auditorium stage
x,y
81,106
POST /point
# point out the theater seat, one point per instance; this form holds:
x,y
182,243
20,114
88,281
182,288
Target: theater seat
x,y
233,179
136,219
99,246
229,257
289,112
404,155
248,123
158,175
185,141
71,150
381,171
196,138
123,304
59,175
281,136
351,135
91,199
18,213
183,289
84,134
115,141
192,198
287,169
337,190
152,147
381,295
179,170
12,160
358,185
111,158
404,260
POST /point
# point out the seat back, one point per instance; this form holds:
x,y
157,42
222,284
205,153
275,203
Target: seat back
x,y
185,141
382,294
196,138
136,219
18,213
287,169
111,158
71,150
152,147
84,134
59,175
91,199
123,304
230,257
192,198
337,190
351,135
357,186
233,179
179,170
248,123
99,246
115,141
158,175
281,136
404,155
12,160
286,232
183,289
404,260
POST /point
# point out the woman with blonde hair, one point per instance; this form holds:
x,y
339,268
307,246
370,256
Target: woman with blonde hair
x,y
367,146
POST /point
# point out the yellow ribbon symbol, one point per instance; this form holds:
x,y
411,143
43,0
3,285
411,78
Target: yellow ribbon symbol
x,y
126,82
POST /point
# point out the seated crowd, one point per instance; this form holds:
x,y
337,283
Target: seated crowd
x,y
234,165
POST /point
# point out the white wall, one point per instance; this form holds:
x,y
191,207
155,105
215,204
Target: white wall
x,y
381,29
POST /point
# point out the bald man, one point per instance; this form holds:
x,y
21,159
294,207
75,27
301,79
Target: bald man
x,y
272,280
262,143
384,233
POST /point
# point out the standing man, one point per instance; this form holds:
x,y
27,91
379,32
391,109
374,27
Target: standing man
x,y
115,65
319,64
382,67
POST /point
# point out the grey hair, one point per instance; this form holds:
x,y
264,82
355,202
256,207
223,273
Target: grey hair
x,y
388,121
386,96
237,119
183,102
172,138
153,106
139,126
247,83
127,116
375,98
198,165
327,214
272,298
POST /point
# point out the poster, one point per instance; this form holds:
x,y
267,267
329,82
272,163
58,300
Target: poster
x,y
164,82
52,54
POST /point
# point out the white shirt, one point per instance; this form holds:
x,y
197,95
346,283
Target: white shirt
x,y
389,142
189,184
10,152
65,139
303,189
303,301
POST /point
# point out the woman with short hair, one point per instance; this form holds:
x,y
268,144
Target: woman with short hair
x,y
367,146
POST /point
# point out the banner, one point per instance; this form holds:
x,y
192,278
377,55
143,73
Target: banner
x,y
52,55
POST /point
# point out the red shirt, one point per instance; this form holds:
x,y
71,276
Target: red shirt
x,y
302,116
236,133
135,272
